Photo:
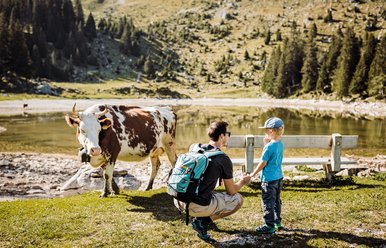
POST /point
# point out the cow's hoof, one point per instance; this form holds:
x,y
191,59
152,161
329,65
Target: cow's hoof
x,y
104,195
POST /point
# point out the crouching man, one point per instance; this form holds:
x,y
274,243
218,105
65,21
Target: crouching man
x,y
209,205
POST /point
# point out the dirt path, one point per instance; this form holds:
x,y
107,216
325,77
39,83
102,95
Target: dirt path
x,y
374,109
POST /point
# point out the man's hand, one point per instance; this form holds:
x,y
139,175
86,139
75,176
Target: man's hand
x,y
246,178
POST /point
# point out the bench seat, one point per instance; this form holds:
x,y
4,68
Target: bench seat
x,y
299,161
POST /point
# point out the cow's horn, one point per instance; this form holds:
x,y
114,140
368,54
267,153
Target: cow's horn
x,y
105,111
74,112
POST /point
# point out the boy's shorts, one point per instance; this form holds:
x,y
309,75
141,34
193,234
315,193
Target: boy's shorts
x,y
221,203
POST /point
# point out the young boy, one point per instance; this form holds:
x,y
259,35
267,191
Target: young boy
x,y
272,175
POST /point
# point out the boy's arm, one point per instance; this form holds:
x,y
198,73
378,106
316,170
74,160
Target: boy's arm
x,y
259,167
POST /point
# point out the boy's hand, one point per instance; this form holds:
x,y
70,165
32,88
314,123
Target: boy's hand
x,y
267,139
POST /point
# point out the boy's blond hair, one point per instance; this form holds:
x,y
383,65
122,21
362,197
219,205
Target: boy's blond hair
x,y
279,131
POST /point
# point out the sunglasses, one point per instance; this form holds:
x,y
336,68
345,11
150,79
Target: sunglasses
x,y
228,133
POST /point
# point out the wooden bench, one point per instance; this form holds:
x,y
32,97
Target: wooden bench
x,y
331,164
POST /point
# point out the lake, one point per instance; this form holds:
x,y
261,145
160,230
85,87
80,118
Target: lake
x,y
49,133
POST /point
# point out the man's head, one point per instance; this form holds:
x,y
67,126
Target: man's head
x,y
216,129
274,124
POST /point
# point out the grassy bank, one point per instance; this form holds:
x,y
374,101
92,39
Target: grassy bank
x,y
316,214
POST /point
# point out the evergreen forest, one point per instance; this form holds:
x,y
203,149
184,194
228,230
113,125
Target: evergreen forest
x,y
58,40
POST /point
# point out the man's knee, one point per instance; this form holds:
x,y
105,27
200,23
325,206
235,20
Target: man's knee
x,y
239,200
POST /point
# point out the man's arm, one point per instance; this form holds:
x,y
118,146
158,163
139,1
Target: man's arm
x,y
232,187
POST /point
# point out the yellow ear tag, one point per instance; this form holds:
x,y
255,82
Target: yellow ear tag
x,y
106,127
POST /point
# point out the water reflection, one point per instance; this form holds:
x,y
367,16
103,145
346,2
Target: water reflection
x,y
50,133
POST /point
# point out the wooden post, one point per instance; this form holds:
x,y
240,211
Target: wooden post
x,y
335,151
249,150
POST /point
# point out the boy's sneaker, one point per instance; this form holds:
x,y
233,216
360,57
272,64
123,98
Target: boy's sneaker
x,y
201,229
265,229
279,227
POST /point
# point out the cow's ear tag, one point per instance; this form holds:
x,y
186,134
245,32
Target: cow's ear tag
x,y
106,123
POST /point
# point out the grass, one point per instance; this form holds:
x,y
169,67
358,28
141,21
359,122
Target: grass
x,y
317,214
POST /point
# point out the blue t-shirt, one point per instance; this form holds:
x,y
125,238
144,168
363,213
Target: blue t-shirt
x,y
273,155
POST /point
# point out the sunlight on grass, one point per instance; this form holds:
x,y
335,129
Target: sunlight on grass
x,y
319,215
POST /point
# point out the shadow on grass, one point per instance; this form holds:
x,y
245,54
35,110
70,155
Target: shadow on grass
x,y
318,185
160,205
295,238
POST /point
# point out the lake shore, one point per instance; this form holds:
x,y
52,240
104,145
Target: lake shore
x,y
41,175
359,109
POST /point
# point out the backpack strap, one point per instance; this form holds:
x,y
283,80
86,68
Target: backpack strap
x,y
187,213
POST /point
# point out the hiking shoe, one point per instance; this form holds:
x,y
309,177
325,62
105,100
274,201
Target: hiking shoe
x,y
201,229
265,229
278,227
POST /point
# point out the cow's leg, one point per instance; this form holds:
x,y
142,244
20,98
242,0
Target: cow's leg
x,y
108,176
170,149
115,186
155,164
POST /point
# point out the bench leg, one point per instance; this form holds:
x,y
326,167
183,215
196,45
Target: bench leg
x,y
330,175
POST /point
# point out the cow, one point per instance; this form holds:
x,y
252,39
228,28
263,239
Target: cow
x,y
109,132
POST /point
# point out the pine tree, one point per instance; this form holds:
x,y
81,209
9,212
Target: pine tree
x,y
79,16
41,42
38,16
333,54
359,82
52,28
126,40
37,65
246,55
267,39
377,72
347,62
148,68
329,64
289,76
314,31
90,29
328,17
323,84
270,73
310,68
20,61
278,35
68,17
135,48
4,45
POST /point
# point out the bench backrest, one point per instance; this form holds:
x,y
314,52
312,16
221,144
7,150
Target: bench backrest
x,y
295,141
335,142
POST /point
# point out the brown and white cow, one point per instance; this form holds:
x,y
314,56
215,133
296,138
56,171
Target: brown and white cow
x,y
109,132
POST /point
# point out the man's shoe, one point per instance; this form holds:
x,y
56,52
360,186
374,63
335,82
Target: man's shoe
x,y
279,227
201,229
265,229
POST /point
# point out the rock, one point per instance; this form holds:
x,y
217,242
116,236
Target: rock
x,y
367,173
37,187
120,172
35,191
300,178
4,162
2,129
349,172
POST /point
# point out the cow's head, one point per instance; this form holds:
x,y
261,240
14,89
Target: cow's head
x,y
89,125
